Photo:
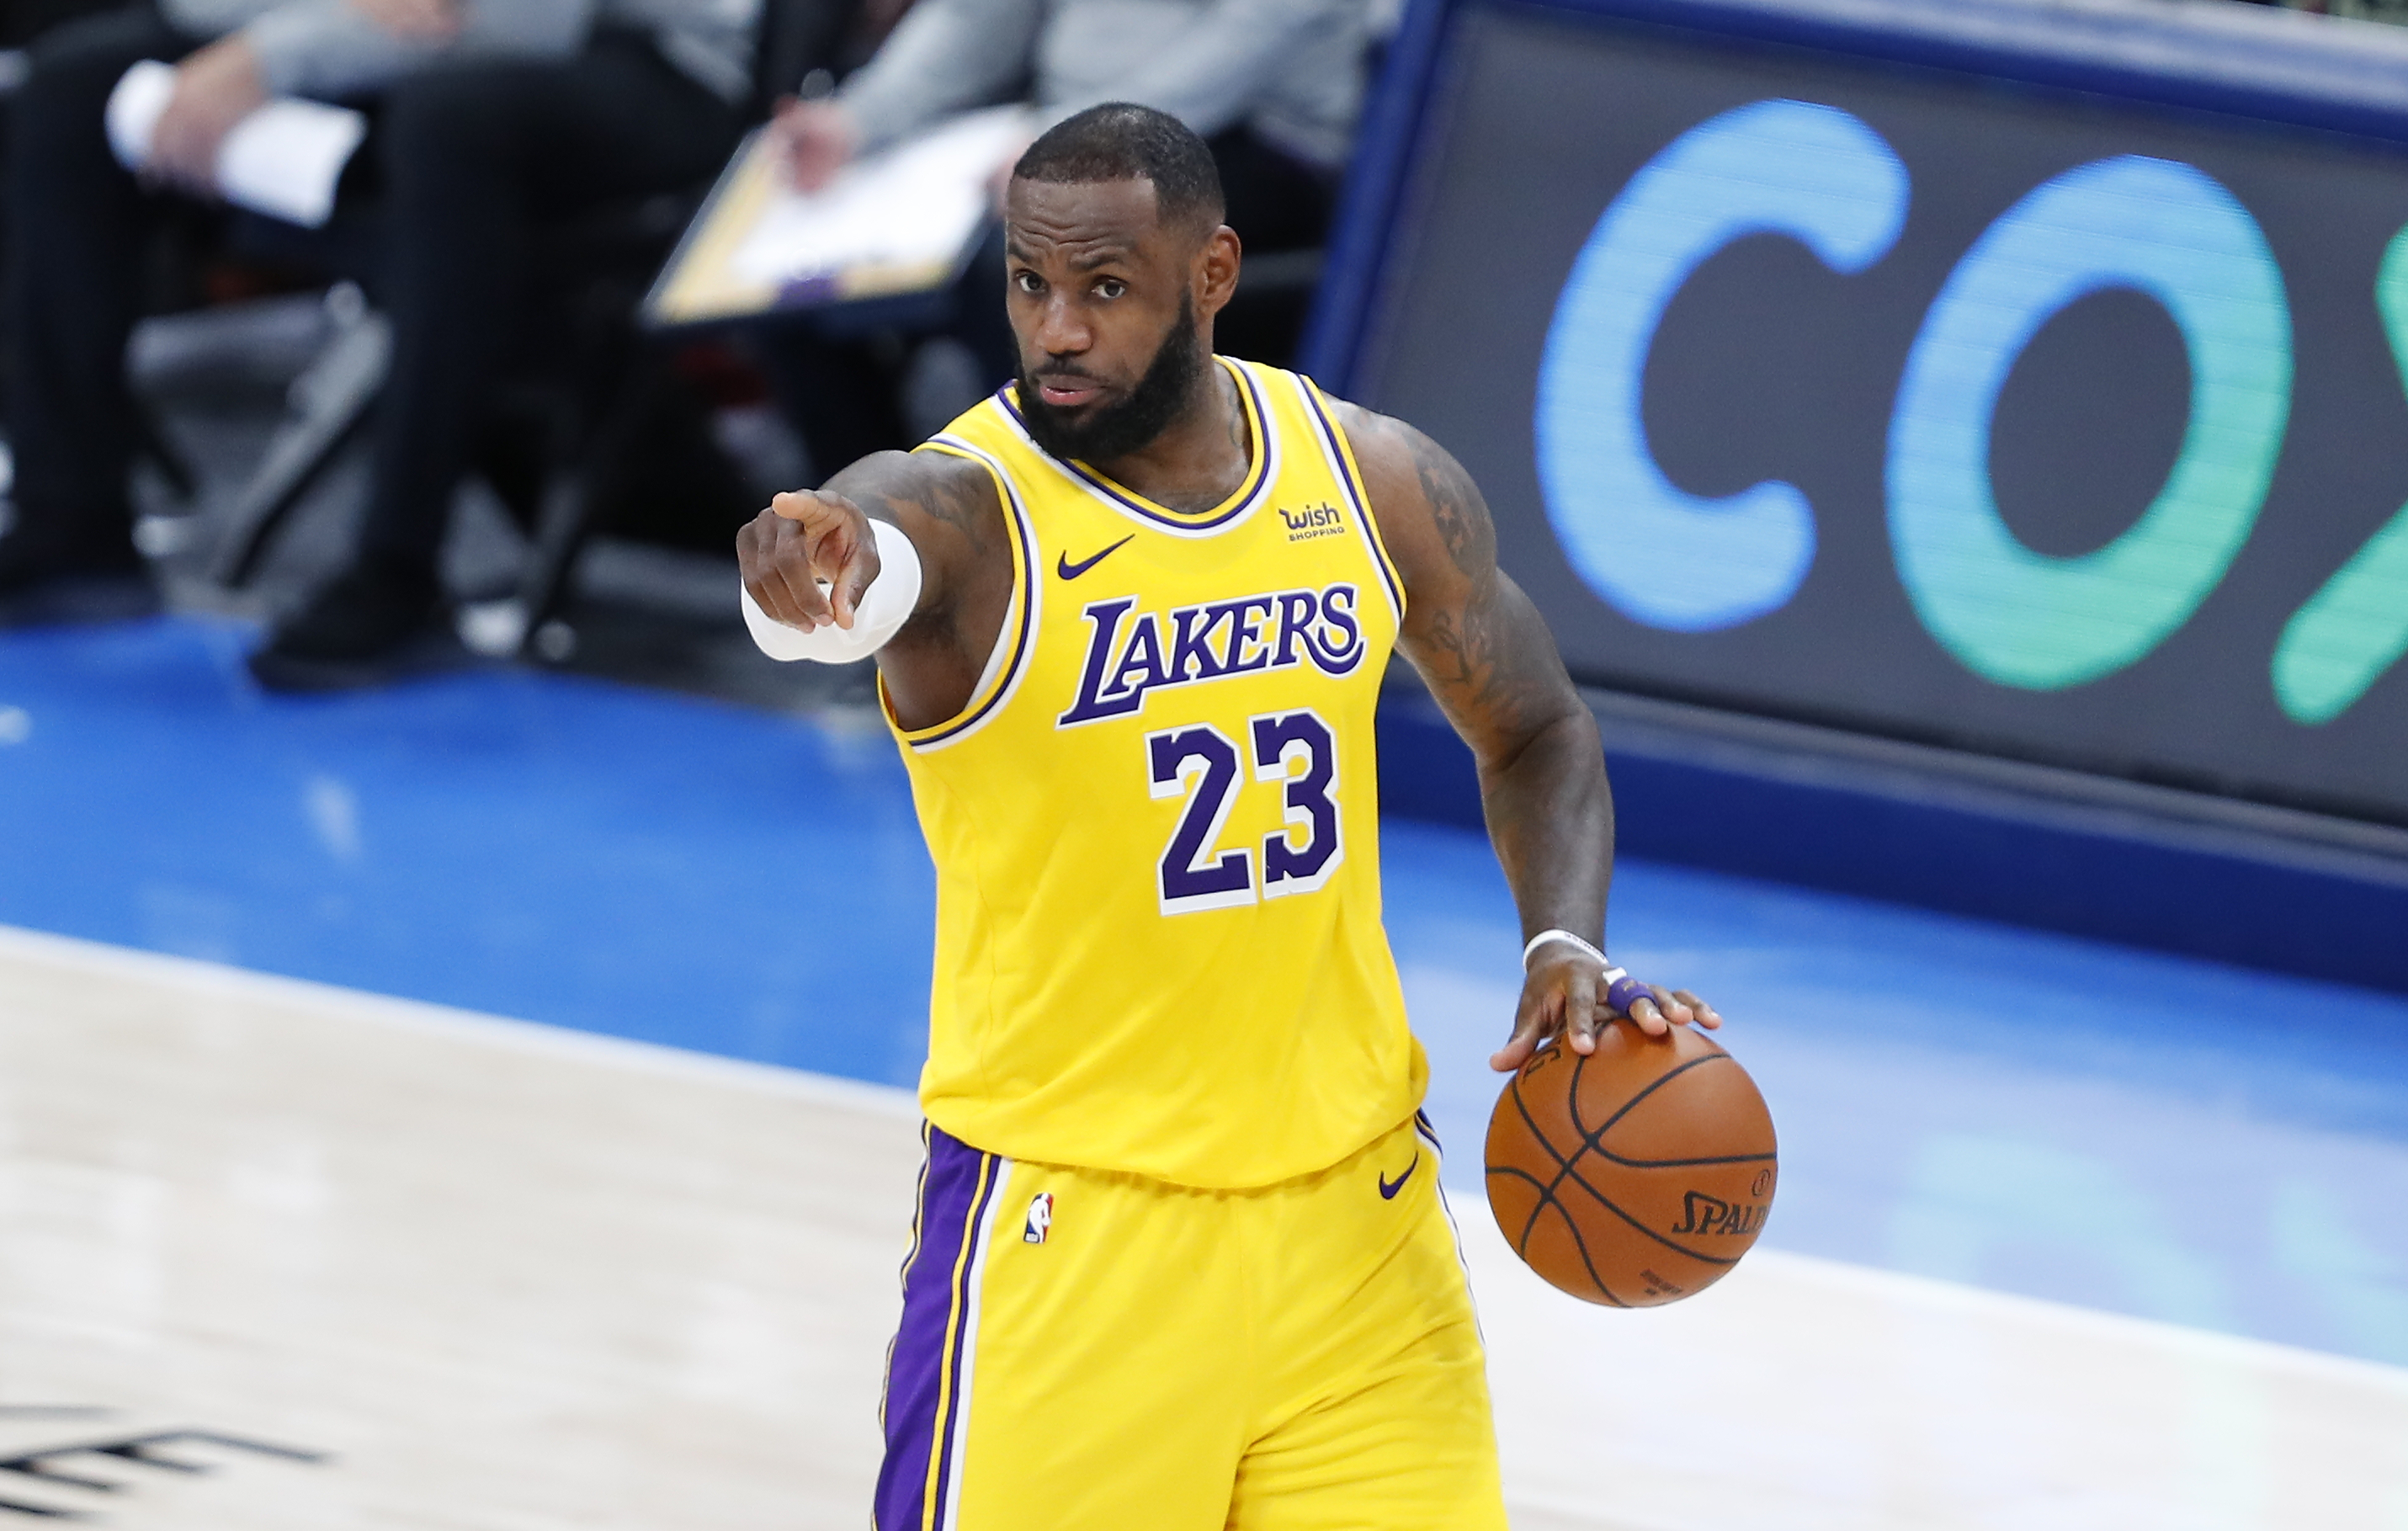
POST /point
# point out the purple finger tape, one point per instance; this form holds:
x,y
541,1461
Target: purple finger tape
x,y
1622,991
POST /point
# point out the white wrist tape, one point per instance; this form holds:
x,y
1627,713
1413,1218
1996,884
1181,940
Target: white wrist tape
x,y
1543,937
886,606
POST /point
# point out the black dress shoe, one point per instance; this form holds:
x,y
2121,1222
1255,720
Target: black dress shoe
x,y
368,626
47,586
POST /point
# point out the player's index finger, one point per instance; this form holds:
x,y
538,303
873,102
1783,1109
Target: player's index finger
x,y
807,506
1580,1002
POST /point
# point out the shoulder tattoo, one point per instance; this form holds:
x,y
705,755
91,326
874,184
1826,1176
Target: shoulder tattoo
x,y
1455,507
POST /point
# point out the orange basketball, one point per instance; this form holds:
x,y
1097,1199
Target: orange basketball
x,y
1637,1175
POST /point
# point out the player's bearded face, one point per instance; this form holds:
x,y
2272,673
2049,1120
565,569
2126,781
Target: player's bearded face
x,y
1110,428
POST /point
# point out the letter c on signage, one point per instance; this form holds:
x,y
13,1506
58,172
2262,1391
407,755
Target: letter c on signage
x,y
1656,554
2022,618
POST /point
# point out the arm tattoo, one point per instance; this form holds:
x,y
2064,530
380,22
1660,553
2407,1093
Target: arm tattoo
x,y
1486,675
1480,657
957,501
952,499
1492,665
1455,504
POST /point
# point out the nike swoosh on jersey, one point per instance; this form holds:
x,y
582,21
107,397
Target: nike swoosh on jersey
x,y
1388,1188
1069,570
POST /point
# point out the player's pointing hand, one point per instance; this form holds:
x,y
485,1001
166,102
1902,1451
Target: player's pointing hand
x,y
809,559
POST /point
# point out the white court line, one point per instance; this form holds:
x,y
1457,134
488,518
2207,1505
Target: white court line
x,y
532,1037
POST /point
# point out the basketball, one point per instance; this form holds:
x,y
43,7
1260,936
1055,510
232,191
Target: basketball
x,y
1635,1176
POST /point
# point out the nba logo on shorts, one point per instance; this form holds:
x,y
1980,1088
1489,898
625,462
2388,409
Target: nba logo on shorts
x,y
1040,1218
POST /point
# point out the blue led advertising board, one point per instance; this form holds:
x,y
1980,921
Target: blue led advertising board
x,y
2010,418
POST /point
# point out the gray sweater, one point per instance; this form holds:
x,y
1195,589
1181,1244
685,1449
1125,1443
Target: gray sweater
x,y
1290,69
325,48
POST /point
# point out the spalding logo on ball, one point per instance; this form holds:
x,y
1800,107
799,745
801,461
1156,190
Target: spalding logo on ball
x,y
1637,1175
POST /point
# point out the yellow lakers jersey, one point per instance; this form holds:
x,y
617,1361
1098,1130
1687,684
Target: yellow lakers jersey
x,y
1159,945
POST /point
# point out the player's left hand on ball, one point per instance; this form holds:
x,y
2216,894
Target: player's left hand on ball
x,y
1671,1008
1567,998
1563,995
809,559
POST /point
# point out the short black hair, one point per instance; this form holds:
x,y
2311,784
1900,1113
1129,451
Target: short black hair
x,y
1123,141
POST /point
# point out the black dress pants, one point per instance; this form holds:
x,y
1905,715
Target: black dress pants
x,y
475,157
470,160
78,227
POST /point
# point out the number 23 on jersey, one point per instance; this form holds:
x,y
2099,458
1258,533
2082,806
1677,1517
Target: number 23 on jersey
x,y
1293,752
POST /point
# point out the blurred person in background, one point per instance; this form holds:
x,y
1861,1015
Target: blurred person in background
x,y
490,115
1274,87
21,23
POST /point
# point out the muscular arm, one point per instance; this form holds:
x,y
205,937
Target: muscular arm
x,y
949,509
1490,661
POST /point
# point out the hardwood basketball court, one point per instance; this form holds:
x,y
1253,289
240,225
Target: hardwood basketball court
x,y
372,1263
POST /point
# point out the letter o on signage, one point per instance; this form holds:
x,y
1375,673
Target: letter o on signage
x,y
1655,552
2022,618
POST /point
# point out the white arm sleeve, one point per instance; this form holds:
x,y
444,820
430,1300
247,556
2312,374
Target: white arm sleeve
x,y
886,606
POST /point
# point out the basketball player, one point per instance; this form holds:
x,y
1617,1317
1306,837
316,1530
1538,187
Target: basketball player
x,y
1180,1262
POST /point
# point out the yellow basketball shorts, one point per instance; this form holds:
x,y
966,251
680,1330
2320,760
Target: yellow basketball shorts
x,y
1084,1350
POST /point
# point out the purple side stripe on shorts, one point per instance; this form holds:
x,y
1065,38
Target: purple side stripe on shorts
x,y
953,1197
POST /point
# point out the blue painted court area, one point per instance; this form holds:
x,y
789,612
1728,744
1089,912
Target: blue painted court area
x,y
2038,1114
527,845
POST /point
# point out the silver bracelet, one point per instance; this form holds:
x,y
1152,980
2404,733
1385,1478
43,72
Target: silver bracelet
x,y
1543,937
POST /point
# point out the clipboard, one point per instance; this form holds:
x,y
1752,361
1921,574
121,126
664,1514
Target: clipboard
x,y
895,226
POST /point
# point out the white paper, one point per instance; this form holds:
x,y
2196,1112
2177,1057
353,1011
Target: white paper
x,y
919,201
282,160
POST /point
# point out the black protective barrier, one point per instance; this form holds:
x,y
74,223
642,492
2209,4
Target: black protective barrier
x,y
1893,383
